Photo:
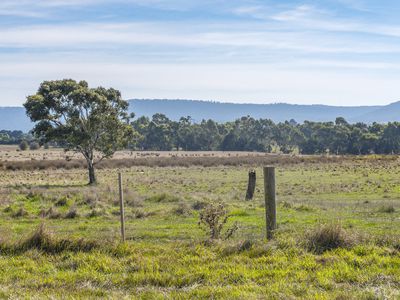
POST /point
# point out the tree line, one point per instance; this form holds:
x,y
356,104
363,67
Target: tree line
x,y
249,134
12,137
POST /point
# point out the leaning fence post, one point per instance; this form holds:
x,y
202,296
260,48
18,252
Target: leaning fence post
x,y
270,200
121,206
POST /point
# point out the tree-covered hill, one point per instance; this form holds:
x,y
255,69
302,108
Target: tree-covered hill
x,y
14,118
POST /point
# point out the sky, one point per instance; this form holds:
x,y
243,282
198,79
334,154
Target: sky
x,y
343,52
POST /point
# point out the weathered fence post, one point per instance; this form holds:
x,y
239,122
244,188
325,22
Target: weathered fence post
x,y
251,186
121,207
270,200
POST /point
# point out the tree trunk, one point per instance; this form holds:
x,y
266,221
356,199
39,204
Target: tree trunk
x,y
251,186
92,176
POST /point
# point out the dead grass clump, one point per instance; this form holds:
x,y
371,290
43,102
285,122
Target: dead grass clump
x,y
20,213
72,213
237,247
132,199
163,198
392,241
63,201
42,239
8,209
51,213
286,204
388,209
140,214
182,209
327,237
96,213
199,205
91,199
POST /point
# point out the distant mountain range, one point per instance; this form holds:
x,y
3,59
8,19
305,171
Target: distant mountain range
x,y
14,118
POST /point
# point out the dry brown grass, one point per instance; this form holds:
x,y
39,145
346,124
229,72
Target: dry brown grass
x,y
205,161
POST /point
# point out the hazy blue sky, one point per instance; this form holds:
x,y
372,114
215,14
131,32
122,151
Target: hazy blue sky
x,y
343,52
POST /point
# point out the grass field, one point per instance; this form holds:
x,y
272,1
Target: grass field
x,y
167,254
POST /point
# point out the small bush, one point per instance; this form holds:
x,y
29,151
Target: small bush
x,y
34,146
327,237
213,219
23,146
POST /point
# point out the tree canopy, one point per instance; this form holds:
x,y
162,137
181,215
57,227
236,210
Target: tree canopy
x,y
92,121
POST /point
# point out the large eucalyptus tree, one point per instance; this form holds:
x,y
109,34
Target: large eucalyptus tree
x,y
92,121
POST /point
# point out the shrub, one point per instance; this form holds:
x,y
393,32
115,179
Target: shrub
x,y
213,219
327,237
23,145
34,146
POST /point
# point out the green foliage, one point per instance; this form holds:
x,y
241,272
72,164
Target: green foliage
x,y
87,120
249,134
13,137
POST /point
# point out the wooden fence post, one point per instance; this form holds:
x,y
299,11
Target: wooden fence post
x,y
121,206
251,185
270,200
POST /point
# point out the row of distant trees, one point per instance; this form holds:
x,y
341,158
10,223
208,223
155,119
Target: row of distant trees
x,y
12,137
249,134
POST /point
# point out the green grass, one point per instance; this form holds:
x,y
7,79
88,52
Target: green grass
x,y
166,256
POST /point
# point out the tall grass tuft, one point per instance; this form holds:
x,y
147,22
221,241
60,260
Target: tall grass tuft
x,y
327,237
44,240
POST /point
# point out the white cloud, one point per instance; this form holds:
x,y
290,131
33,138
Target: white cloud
x,y
244,82
101,36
